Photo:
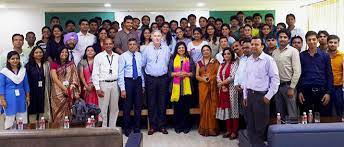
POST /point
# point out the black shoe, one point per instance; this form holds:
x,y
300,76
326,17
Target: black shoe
x,y
137,131
127,132
151,131
186,131
178,130
163,131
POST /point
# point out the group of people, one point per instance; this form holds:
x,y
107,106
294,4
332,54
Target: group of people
x,y
245,68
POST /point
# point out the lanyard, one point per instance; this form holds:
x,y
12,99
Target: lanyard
x,y
108,60
89,68
39,71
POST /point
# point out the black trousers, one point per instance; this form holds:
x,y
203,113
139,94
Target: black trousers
x,y
182,113
157,92
313,96
133,89
257,117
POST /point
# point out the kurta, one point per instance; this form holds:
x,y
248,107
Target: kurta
x,y
15,104
208,98
37,92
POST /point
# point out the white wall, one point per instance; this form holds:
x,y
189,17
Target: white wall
x,y
19,21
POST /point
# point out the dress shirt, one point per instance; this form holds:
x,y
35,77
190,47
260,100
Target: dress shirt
x,y
337,63
156,60
261,75
316,70
121,39
219,57
299,32
125,67
171,46
101,67
288,63
24,57
240,74
83,42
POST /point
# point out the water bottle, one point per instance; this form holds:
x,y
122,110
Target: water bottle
x,y
310,116
304,118
279,121
42,123
89,123
20,124
93,121
66,123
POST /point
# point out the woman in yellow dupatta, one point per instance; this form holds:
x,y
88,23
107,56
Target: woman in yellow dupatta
x,y
181,70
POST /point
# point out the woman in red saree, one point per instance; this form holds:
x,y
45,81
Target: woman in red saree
x,y
65,86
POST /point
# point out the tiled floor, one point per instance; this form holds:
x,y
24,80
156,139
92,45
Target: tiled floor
x,y
192,139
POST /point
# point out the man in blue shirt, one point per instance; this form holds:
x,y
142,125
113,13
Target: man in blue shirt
x,y
316,78
155,59
131,84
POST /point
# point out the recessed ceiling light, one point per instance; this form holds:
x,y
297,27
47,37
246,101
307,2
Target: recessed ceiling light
x,y
107,5
200,4
2,6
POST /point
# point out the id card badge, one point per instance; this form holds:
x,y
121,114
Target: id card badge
x,y
40,83
65,83
110,71
16,92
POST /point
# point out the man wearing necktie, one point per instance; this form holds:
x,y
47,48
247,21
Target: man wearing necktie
x,y
71,40
131,84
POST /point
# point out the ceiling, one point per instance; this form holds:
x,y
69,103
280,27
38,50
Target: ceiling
x,y
148,5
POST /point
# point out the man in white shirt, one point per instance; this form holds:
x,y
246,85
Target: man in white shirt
x,y
223,44
85,38
104,78
294,31
17,41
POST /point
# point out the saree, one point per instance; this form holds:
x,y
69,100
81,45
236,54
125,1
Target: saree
x,y
61,103
89,96
208,99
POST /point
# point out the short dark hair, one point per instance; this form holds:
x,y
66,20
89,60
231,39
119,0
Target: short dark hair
x,y
323,32
311,33
285,31
257,14
202,17
248,18
282,24
269,15
231,51
136,18
223,37
234,17
191,15
246,25
240,12
127,18
83,20
145,16
261,40
207,47
218,19
93,20
211,18
69,22
174,21
30,33
14,35
160,17
245,40
290,15
333,37
106,21
46,27
183,19
131,39
54,17
115,22
296,37
271,36
98,18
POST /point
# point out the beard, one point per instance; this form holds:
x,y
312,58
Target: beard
x,y
71,46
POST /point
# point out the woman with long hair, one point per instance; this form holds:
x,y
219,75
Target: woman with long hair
x,y
65,86
206,71
213,40
85,73
194,47
38,71
167,38
228,108
14,91
181,69
55,42
101,36
145,39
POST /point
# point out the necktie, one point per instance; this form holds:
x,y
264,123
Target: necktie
x,y
71,56
135,74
